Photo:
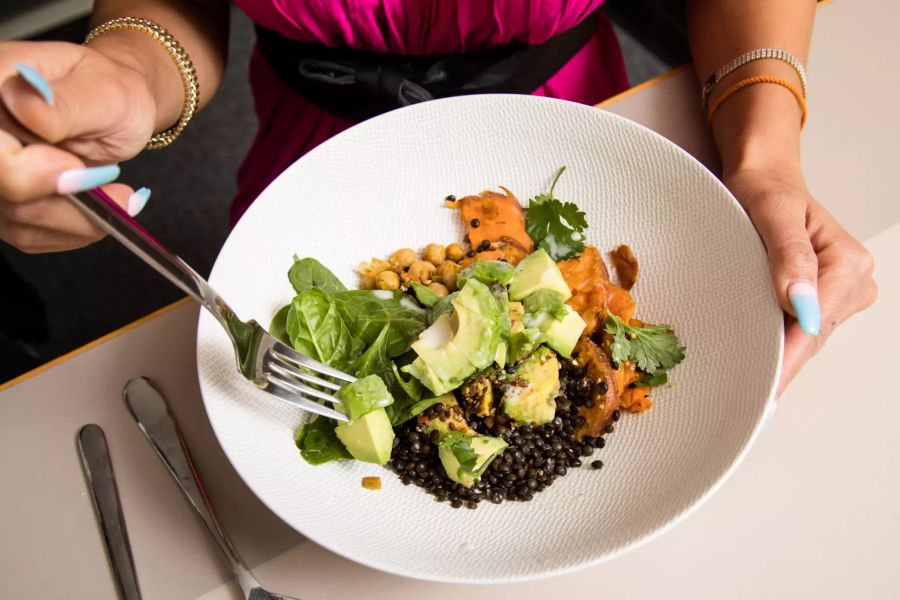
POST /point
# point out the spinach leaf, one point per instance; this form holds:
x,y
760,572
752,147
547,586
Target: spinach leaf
x,y
315,328
414,410
278,327
318,443
426,296
441,307
411,387
487,272
308,273
366,316
374,361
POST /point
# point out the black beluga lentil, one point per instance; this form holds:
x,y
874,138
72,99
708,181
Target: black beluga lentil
x,y
536,457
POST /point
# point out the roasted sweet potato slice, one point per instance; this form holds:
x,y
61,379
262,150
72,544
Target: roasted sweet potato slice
x,y
593,294
625,265
598,368
499,216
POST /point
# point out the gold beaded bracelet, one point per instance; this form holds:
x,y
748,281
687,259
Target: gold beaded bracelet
x,y
182,62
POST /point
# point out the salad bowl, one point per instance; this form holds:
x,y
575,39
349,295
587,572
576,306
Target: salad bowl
x,y
381,186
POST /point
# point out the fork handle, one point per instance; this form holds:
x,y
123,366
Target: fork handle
x,y
109,216
150,411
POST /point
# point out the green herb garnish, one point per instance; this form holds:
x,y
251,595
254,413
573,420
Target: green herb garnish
x,y
653,349
556,226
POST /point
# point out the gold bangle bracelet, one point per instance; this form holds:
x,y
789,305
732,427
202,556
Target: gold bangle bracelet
x,y
182,62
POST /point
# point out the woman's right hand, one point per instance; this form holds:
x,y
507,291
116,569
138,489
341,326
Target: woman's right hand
x,y
94,111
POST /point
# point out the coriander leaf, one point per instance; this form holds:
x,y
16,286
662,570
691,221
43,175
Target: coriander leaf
x,y
307,273
648,380
366,315
315,328
653,349
555,226
318,443
460,445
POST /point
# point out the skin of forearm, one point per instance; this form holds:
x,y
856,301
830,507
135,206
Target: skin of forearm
x,y
200,26
759,127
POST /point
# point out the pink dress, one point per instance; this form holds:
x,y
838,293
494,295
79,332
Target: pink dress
x,y
290,126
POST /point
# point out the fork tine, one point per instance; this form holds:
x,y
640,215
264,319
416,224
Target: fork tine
x,y
282,389
292,385
292,355
284,367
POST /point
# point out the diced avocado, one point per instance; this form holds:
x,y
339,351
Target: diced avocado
x,y
562,334
537,271
455,347
369,438
363,396
451,419
530,396
502,353
545,301
465,458
487,272
478,396
524,342
516,313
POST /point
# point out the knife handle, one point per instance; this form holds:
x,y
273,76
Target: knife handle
x,y
101,482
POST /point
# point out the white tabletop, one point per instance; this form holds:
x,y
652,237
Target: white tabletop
x,y
813,512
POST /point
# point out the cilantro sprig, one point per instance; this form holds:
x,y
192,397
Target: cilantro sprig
x,y
557,227
653,349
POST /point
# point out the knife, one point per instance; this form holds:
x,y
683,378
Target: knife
x,y
101,481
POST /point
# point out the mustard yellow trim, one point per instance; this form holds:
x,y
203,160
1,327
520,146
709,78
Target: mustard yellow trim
x,y
642,86
95,343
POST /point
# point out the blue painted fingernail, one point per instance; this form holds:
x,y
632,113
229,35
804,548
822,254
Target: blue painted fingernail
x,y
79,180
138,200
805,301
36,81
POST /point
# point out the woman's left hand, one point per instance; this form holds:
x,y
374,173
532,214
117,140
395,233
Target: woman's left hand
x,y
822,275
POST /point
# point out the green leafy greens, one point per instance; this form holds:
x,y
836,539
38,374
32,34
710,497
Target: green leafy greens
x,y
653,349
315,328
367,314
557,227
308,273
318,443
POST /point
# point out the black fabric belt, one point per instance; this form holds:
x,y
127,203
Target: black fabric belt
x,y
356,85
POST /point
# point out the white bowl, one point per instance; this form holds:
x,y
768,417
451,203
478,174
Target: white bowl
x,y
380,186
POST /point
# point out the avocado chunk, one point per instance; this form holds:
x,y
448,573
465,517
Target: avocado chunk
x,y
537,271
369,438
545,301
478,396
562,334
465,457
524,342
456,346
363,396
530,395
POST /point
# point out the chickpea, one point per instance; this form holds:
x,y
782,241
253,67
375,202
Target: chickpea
x,y
455,252
434,253
446,274
403,257
439,288
387,280
421,271
367,282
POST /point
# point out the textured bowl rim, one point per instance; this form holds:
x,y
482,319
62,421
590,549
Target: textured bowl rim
x,y
762,421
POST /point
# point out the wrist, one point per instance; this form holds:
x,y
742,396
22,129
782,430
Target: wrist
x,y
153,74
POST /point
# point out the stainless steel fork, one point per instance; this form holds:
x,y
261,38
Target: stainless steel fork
x,y
150,411
270,364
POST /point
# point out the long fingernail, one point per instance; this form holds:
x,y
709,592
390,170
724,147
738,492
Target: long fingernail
x,y
805,301
36,81
138,200
79,180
